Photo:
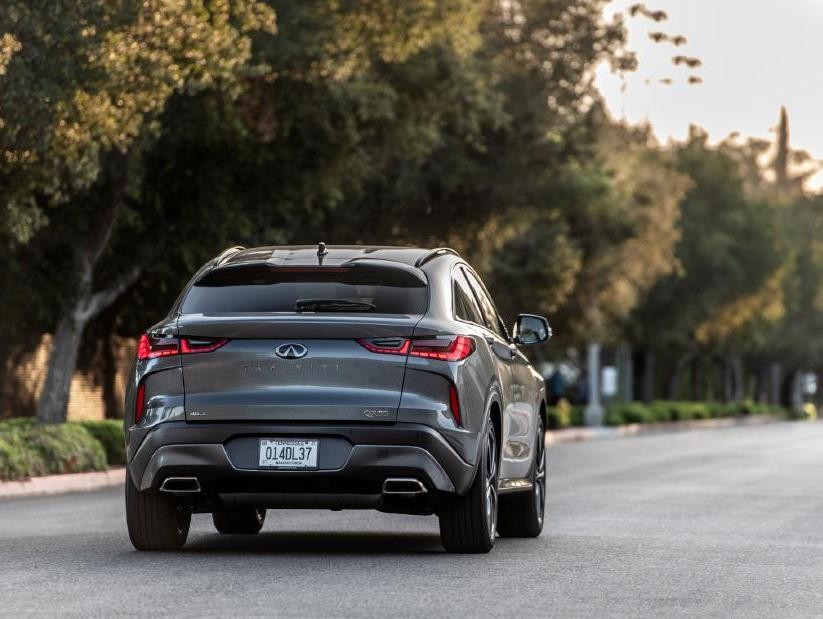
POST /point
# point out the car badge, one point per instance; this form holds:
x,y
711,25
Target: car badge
x,y
291,351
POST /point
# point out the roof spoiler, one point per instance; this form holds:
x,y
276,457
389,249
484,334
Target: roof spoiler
x,y
440,251
361,271
224,255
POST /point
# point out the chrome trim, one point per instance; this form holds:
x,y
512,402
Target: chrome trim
x,y
421,489
513,485
189,480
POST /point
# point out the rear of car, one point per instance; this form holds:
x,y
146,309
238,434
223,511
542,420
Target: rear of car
x,y
289,377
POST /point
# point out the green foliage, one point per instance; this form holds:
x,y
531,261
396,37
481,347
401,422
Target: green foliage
x,y
662,411
631,412
623,213
190,125
109,433
28,449
730,251
62,117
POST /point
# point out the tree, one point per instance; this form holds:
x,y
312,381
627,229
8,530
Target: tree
x,y
729,254
78,124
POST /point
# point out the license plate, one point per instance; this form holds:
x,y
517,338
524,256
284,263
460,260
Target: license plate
x,y
288,453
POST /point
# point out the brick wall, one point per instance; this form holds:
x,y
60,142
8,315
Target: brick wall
x,y
24,378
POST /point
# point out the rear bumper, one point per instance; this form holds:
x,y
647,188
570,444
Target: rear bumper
x,y
355,460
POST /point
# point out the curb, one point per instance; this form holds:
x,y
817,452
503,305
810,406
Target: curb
x,y
59,484
573,435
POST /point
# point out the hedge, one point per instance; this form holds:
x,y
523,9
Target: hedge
x,y
28,449
110,434
564,415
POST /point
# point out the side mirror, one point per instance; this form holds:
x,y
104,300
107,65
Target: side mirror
x,y
531,329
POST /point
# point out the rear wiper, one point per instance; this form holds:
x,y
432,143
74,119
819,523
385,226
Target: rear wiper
x,y
332,305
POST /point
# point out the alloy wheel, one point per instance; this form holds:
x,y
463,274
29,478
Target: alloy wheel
x,y
490,495
539,482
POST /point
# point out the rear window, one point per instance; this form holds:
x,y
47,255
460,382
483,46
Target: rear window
x,y
256,291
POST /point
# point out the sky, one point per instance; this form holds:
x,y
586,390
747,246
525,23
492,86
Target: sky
x,y
757,55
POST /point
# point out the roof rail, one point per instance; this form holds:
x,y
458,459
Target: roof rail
x,y
440,251
226,253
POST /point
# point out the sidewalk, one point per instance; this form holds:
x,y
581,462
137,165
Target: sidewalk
x,y
570,435
58,484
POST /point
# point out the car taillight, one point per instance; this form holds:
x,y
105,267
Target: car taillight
x,y
140,403
387,346
454,404
454,348
151,346
190,346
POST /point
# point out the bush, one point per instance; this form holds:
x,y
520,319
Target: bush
x,y
577,416
28,449
110,434
662,410
630,412
17,461
613,418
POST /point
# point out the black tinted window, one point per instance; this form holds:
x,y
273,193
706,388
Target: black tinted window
x,y
465,307
286,292
490,317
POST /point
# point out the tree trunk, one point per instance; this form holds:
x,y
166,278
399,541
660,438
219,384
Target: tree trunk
x,y
112,404
775,380
696,391
54,397
797,390
737,379
648,376
674,381
625,373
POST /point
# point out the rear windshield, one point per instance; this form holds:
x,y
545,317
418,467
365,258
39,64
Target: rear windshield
x,y
264,292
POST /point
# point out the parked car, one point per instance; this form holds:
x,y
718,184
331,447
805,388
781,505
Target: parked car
x,y
336,378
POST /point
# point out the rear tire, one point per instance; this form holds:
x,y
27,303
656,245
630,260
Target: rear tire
x,y
468,524
239,521
155,520
521,514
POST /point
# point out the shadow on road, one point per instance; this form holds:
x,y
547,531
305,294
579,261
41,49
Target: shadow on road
x,y
332,542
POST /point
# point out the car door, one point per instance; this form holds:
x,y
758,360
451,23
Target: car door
x,y
517,413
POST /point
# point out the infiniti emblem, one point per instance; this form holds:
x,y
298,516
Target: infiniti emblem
x,y
291,351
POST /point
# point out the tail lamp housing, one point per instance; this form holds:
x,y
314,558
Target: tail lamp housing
x,y
153,346
140,403
454,404
451,348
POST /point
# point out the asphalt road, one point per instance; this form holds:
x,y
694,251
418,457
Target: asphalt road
x,y
717,522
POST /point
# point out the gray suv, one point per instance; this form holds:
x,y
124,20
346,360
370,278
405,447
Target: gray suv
x,y
336,378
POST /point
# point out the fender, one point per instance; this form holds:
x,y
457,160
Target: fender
x,y
492,397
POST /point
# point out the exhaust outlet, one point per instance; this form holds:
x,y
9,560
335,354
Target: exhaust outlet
x,y
180,485
403,486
